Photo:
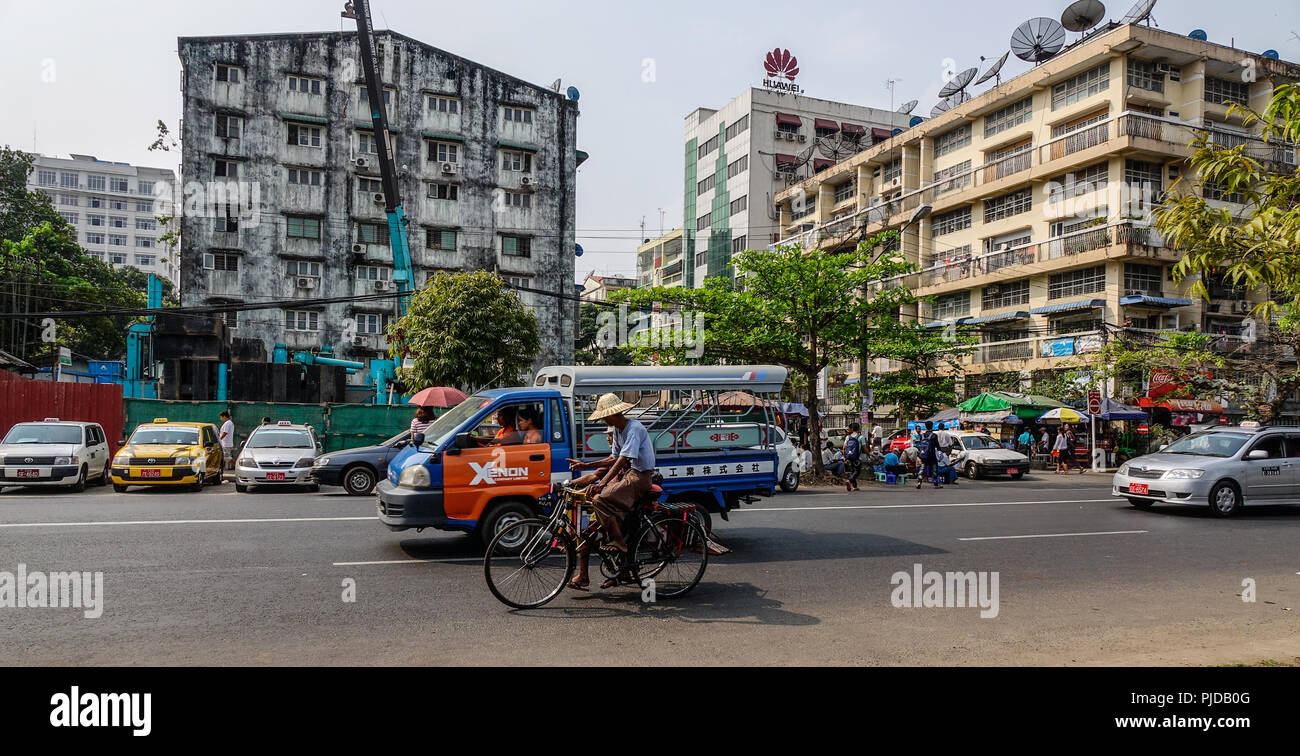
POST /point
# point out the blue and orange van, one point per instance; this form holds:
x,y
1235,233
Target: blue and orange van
x,y
485,463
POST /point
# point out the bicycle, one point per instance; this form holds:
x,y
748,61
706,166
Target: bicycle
x,y
668,547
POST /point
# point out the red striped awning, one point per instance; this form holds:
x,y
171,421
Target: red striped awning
x,y
881,133
786,159
853,129
821,164
828,125
788,120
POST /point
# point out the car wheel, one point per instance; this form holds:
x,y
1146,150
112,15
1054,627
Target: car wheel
x,y
80,485
1018,476
790,479
241,488
358,480
103,479
1225,499
119,488
198,484
499,518
972,471
1140,503
313,488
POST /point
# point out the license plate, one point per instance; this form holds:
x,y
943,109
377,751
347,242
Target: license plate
x,y
1139,488
1012,470
29,473
275,476
151,473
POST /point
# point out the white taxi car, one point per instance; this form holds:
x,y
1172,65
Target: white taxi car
x,y
278,455
54,453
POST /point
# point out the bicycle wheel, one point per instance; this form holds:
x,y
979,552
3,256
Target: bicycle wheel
x,y
528,563
672,552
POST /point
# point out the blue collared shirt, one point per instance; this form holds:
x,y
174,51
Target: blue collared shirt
x,y
634,443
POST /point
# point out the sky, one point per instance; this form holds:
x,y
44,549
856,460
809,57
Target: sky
x,y
94,76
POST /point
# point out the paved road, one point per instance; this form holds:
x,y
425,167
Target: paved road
x,y
225,578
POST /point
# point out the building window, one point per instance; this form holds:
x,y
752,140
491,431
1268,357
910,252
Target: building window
x,y
372,324
68,200
144,206
374,273
706,148
304,268
738,245
738,127
305,176
70,180
1087,180
442,191
144,242
227,73
950,222
517,246
952,141
369,186
444,152
518,199
146,224
740,205
220,261
1142,74
225,169
1074,283
893,170
443,104
226,222
46,178
144,261
1081,87
301,320
1014,203
306,136
1143,279
950,179
844,191
116,204
94,202
1005,295
704,222
440,239
117,240
363,97
93,237
1213,191
145,187
1220,91
229,126
71,218
95,220
366,143
518,115
117,258
1062,326
707,184
1009,117
232,318
305,85
298,227
371,233
516,161
117,221
96,183
738,167
955,305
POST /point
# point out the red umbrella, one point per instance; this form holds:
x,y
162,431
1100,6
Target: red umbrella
x,y
438,396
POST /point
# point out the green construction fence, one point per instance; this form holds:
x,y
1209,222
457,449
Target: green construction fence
x,y
339,426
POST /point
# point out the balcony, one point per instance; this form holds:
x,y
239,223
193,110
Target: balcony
x,y
1008,166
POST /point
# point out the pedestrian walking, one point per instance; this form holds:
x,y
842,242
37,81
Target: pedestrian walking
x,y
930,457
1060,451
227,439
853,456
945,440
1024,443
421,422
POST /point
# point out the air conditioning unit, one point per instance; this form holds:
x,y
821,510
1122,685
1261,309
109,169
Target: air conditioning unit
x,y
789,136
803,137
777,135
894,183
448,167
525,181
381,285
358,249
306,283
378,198
362,162
360,341
1241,308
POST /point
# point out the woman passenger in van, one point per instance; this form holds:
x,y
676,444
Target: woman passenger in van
x,y
530,425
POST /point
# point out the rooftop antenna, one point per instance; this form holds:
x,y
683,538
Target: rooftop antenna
x,y
889,84
994,70
1141,11
1082,15
555,85
958,82
1037,40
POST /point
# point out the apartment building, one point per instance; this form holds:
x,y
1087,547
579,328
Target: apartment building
x,y
114,208
486,168
1039,194
598,288
661,261
740,156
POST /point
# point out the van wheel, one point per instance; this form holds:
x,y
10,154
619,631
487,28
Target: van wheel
x,y
80,485
704,518
103,478
1225,500
790,479
358,480
241,488
500,517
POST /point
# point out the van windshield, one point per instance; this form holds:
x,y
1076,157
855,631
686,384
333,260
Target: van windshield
x,y
442,429
43,434
165,436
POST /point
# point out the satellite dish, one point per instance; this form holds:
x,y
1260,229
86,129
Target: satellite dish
x,y
577,250
1037,39
1082,15
958,83
573,93
909,106
896,132
948,103
1199,34
916,121
1140,12
993,70
1270,54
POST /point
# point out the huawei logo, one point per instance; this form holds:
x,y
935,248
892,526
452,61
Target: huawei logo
x,y
781,63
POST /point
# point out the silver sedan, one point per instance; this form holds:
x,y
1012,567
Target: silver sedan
x,y
278,455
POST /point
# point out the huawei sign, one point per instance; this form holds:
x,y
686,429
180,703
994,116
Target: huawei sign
x,y
781,69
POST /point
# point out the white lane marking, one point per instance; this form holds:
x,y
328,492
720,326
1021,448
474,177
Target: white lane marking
x,y
1054,535
918,506
371,518
408,561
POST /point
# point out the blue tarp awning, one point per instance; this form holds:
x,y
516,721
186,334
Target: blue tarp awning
x,y
940,324
792,408
1018,315
1149,301
851,382
1083,304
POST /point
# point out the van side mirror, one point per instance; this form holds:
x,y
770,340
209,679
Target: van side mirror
x,y
464,441
417,439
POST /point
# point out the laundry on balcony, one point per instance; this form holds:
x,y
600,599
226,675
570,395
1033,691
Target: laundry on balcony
x,y
1143,300
1083,304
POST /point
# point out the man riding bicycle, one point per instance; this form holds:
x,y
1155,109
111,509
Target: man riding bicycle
x,y
621,480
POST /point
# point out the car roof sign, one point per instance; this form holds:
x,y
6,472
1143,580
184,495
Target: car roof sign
x,y
285,422
161,420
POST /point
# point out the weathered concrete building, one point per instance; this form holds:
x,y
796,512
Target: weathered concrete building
x,y
281,122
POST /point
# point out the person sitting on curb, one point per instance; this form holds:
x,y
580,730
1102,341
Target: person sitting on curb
x,y
832,460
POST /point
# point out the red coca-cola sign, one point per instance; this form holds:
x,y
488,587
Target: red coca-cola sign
x,y
1161,383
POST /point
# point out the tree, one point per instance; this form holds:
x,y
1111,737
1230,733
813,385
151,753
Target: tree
x,y
802,309
588,349
467,330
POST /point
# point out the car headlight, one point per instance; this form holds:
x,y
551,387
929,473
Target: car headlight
x,y
1123,469
184,461
304,462
322,461
247,462
1183,474
414,476
66,460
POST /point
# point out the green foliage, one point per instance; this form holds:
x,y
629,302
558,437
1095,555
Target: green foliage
x,y
587,349
467,330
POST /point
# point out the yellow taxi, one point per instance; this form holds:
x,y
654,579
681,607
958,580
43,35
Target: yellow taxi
x,y
163,453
